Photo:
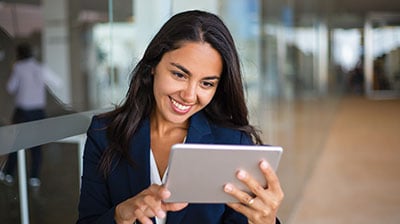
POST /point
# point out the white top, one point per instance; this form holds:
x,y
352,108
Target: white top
x,y
28,81
155,179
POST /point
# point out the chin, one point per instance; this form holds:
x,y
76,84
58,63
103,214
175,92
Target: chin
x,y
179,119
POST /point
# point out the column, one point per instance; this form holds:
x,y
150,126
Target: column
x,y
61,49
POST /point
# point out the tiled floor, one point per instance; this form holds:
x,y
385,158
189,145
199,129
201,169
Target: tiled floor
x,y
357,176
329,172
301,127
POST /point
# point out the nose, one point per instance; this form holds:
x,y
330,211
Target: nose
x,y
188,93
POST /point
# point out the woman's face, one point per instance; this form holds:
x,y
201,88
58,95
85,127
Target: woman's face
x,y
185,81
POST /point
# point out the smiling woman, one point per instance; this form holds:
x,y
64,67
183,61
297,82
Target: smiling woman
x,y
185,81
186,88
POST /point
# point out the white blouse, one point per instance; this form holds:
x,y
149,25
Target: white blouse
x,y
155,179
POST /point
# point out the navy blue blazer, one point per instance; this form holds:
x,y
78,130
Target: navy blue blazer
x,y
99,196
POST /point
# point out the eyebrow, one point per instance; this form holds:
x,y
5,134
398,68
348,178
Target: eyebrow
x,y
181,68
185,70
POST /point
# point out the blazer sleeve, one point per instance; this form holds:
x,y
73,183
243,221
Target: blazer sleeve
x,y
233,217
94,204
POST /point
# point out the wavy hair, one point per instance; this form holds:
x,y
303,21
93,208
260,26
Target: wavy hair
x,y
227,108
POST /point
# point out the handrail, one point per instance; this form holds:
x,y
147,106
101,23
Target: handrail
x,y
30,134
21,136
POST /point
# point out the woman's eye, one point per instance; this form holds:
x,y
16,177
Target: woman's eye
x,y
178,75
208,84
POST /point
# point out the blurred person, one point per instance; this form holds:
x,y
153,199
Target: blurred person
x,y
380,80
357,79
186,88
27,83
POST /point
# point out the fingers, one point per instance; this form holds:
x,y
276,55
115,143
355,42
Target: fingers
x,y
275,191
242,196
159,191
128,212
272,181
171,206
153,204
261,205
174,206
270,176
145,205
162,194
244,199
141,216
250,182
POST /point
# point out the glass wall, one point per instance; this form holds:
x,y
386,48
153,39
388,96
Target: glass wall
x,y
288,50
382,61
93,47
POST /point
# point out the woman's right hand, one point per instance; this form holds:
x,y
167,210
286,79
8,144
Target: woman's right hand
x,y
145,205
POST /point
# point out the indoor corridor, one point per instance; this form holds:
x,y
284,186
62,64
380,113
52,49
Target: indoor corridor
x,y
322,80
340,165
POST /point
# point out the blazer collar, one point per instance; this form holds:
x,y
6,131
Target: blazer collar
x,y
140,154
199,129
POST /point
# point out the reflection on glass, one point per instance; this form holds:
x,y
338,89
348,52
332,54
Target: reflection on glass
x,y
348,59
382,50
111,62
346,48
386,58
241,17
7,52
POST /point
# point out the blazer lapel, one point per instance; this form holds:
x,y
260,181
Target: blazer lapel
x,y
199,130
139,176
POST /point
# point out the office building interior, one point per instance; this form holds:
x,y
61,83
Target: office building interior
x,y
322,80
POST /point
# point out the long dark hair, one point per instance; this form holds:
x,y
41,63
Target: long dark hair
x,y
227,108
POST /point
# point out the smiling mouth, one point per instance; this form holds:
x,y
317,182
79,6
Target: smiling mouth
x,y
180,107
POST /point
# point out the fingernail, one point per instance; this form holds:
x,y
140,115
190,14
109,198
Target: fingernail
x,y
160,214
228,187
165,194
264,164
241,174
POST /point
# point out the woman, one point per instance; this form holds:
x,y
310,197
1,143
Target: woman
x,y
186,88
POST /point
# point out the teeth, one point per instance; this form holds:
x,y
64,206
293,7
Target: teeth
x,y
180,106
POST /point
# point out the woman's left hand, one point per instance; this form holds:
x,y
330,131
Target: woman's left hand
x,y
263,207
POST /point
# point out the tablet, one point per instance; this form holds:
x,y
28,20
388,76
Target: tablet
x,y
197,173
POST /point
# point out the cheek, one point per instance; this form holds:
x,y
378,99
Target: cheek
x,y
159,86
164,89
206,97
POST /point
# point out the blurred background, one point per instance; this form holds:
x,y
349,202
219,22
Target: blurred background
x,y
322,80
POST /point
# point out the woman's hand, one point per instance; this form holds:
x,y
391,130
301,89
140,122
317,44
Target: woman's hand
x,y
148,203
263,207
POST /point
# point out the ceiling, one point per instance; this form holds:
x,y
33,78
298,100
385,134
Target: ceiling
x,y
335,6
340,13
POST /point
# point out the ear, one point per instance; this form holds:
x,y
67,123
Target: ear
x,y
152,71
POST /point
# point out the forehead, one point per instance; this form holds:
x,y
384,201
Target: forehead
x,y
197,57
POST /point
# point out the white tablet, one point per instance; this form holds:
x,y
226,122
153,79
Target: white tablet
x,y
197,173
